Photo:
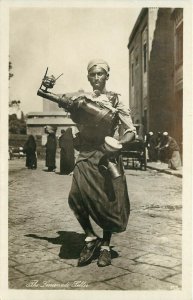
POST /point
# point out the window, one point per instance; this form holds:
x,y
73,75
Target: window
x,y
136,60
144,58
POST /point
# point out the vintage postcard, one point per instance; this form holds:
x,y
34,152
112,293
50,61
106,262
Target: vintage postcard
x,y
96,149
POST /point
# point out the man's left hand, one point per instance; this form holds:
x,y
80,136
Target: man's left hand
x,y
127,137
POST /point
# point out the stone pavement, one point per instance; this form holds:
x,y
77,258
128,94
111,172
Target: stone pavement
x,y
45,239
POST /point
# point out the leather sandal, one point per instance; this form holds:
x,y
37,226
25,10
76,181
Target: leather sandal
x,y
88,252
104,258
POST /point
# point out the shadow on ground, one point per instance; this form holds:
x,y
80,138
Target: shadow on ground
x,y
71,243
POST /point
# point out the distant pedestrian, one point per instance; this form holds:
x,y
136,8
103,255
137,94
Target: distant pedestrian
x,y
62,151
150,143
30,149
170,145
67,159
51,146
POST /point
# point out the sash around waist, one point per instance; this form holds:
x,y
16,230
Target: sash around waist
x,y
87,151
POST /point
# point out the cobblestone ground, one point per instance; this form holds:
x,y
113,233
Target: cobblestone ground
x,y
45,239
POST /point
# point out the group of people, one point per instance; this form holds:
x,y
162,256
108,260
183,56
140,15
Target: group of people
x,y
65,142
163,148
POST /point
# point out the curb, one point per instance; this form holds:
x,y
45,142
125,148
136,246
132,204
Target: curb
x,y
165,171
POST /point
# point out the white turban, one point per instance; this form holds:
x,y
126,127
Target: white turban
x,y
165,133
50,129
100,63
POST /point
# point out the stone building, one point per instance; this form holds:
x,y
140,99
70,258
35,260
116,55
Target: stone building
x,y
177,17
155,64
36,121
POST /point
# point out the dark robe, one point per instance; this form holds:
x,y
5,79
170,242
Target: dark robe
x,y
67,160
171,150
30,150
51,146
151,144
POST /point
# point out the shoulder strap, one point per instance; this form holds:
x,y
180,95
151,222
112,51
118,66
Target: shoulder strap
x,y
114,98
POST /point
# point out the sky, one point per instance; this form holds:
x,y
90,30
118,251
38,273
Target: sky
x,y
65,40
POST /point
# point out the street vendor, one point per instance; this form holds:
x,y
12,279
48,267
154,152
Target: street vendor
x,y
171,150
94,192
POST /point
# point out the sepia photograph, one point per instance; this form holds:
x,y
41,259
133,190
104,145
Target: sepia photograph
x,y
96,172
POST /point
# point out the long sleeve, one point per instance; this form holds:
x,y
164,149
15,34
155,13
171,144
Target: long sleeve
x,y
125,118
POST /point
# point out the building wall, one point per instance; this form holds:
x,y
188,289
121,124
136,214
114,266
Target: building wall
x,y
140,46
35,130
144,73
177,18
36,122
161,62
156,88
138,81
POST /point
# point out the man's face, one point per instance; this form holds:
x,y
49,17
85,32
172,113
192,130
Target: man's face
x,y
97,77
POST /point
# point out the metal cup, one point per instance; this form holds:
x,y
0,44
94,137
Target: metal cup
x,y
113,170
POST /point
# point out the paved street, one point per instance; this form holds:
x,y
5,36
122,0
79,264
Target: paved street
x,y
45,239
